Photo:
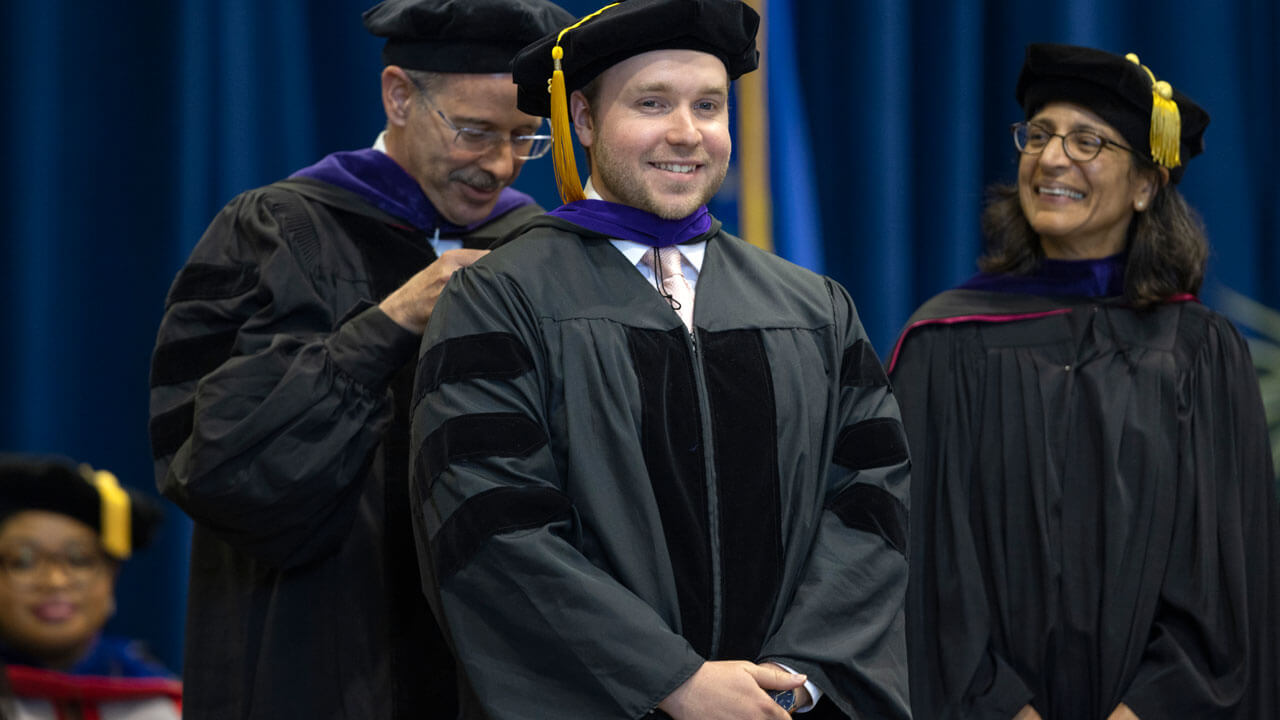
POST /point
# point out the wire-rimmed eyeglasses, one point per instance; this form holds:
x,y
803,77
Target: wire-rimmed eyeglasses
x,y
1080,145
474,140
26,566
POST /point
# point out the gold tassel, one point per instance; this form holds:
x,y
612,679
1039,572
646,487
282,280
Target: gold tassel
x,y
1166,122
1166,126
114,501
566,166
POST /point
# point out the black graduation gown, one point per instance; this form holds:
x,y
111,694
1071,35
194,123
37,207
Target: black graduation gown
x,y
279,424
606,501
1093,513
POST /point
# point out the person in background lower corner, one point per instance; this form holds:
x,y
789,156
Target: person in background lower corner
x,y
64,530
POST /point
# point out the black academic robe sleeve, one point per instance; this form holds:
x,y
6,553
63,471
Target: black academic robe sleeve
x,y
846,628
269,386
1212,646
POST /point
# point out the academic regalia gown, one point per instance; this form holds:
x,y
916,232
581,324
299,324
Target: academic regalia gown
x,y
605,500
1093,513
116,680
279,423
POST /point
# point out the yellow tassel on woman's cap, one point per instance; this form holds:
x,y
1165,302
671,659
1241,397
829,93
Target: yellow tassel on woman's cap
x,y
565,165
116,531
1166,122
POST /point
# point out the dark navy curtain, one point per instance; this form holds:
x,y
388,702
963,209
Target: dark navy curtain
x,y
128,125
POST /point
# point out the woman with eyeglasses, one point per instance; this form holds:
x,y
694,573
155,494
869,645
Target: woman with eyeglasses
x,y
64,531
1093,520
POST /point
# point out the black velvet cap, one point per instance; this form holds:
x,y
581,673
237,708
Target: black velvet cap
x,y
460,36
724,28
56,485
1115,88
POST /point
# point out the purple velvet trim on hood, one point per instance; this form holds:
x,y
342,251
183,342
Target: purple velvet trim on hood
x,y
377,178
1103,277
627,223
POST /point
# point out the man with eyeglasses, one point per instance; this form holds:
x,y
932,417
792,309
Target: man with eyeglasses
x,y
282,378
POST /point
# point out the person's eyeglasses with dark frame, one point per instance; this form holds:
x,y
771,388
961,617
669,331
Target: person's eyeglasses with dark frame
x,y
473,140
26,566
1080,145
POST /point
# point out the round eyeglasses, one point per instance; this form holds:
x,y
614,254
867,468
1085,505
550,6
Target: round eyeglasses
x,y
1080,145
479,142
26,566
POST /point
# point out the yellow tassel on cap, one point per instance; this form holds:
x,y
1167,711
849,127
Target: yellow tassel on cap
x,y
562,142
1166,122
116,531
565,164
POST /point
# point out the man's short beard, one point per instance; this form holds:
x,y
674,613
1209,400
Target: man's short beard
x,y
622,183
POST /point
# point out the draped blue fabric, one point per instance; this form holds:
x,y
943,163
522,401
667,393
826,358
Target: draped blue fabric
x,y
797,233
128,125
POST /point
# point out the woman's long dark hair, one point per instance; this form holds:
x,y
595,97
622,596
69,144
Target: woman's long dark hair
x,y
1167,244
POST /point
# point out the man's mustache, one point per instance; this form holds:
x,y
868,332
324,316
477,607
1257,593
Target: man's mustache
x,y
482,180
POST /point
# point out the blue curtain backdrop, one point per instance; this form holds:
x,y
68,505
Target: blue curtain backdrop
x,y
130,124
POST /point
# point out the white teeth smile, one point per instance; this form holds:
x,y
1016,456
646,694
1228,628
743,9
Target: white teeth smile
x,y
1062,192
672,167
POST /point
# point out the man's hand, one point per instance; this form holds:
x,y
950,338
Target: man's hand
x,y
1122,712
411,304
1027,713
802,693
731,690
